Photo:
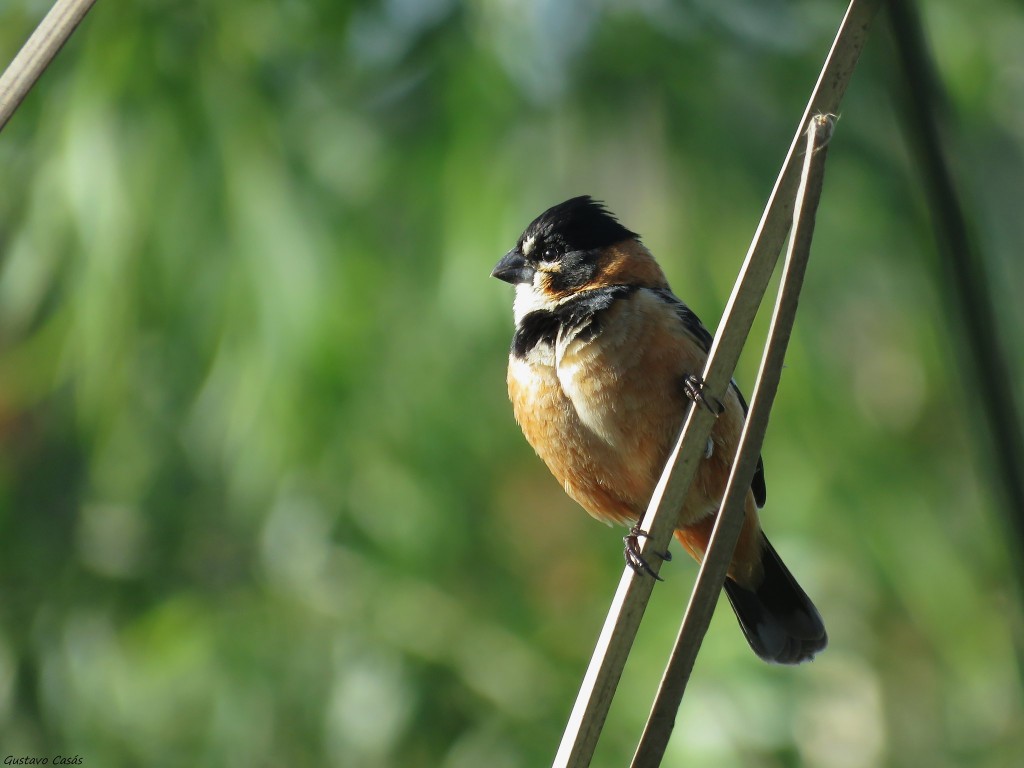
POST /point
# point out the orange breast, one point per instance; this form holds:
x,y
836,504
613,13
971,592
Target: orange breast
x,y
603,414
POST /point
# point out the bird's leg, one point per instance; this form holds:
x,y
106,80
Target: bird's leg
x,y
632,552
693,386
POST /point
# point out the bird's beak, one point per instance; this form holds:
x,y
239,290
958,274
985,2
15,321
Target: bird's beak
x,y
513,268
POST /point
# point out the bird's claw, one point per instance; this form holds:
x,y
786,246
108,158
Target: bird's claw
x,y
634,559
693,386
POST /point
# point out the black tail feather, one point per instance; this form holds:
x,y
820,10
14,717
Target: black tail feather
x,y
778,619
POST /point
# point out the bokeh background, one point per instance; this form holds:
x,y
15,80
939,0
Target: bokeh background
x,y
262,499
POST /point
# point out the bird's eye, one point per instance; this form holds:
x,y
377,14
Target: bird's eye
x,y
550,254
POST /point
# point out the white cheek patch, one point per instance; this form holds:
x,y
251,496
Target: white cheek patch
x,y
530,298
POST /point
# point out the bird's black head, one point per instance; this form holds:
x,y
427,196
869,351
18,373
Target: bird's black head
x,y
578,224
565,241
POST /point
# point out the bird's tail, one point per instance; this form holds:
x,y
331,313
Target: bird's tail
x,y
778,619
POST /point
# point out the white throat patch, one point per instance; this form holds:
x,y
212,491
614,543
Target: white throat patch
x,y
530,299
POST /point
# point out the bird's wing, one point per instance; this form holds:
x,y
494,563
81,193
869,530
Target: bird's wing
x,y
695,328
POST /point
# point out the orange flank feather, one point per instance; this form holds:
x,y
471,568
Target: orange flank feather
x,y
745,568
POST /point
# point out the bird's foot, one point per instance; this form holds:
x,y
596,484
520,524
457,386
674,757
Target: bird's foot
x,y
693,386
632,554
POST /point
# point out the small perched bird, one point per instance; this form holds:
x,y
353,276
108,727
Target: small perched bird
x,y
604,364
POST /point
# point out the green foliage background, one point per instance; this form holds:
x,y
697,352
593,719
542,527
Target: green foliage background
x,y
262,500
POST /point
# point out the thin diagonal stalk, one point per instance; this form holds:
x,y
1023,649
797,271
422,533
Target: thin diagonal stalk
x,y
601,679
730,519
37,53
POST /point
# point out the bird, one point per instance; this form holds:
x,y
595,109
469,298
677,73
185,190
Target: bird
x,y
604,363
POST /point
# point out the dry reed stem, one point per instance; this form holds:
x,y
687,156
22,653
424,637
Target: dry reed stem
x,y
37,53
